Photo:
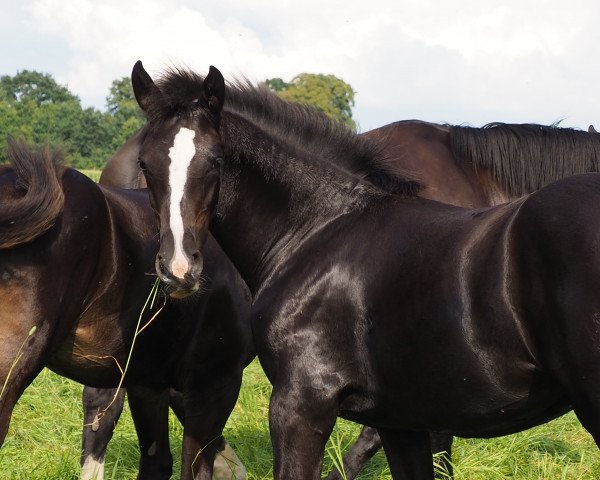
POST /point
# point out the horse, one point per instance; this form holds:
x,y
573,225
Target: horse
x,y
75,276
489,165
456,164
475,167
122,172
370,303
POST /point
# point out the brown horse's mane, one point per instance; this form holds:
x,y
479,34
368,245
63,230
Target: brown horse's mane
x,y
34,199
525,157
302,127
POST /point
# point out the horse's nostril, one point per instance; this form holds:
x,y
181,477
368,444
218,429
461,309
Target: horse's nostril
x,y
160,265
196,255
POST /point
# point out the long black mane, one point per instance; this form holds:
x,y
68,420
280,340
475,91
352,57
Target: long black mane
x,y
300,127
525,157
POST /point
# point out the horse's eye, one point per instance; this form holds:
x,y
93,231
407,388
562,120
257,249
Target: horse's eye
x,y
142,165
216,162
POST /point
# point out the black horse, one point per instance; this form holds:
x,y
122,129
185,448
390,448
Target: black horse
x,y
122,171
368,302
460,165
74,276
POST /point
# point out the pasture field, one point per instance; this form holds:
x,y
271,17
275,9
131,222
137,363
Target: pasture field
x,y
44,438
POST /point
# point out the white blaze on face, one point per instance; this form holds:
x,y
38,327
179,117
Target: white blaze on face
x,y
181,154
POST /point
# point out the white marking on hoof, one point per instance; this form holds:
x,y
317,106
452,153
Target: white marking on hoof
x,y
92,469
228,466
181,154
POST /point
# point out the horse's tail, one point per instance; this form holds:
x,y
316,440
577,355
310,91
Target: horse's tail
x,y
37,197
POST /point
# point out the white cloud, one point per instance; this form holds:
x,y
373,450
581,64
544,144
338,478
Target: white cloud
x,y
462,61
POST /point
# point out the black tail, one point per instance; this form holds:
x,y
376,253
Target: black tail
x,y
37,198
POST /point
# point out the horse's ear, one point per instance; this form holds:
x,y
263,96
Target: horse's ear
x,y
591,129
143,86
213,91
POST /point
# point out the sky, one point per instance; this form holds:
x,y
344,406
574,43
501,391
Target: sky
x,y
459,62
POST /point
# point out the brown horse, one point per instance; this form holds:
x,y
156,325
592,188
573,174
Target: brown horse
x,y
74,276
356,281
459,165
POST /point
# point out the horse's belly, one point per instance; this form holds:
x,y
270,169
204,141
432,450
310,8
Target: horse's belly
x,y
470,409
511,419
93,354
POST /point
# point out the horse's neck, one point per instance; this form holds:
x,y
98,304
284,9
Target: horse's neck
x,y
265,212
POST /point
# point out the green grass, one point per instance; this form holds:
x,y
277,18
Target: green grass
x,y
44,438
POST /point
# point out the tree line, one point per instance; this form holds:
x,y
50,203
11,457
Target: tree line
x,y
34,107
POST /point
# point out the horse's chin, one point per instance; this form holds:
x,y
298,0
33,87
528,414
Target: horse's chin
x,y
179,294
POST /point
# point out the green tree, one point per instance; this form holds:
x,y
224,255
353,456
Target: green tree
x,y
9,125
327,92
34,107
276,84
127,117
29,85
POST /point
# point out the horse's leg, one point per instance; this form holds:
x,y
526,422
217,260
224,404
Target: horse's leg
x,y
408,454
367,445
22,356
301,423
176,404
227,464
206,413
100,416
442,444
150,412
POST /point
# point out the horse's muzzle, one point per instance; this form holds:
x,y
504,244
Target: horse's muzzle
x,y
178,287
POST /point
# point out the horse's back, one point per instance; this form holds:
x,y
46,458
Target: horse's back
x,y
421,151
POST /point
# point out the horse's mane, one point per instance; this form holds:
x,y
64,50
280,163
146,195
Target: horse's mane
x,y
301,127
35,199
525,157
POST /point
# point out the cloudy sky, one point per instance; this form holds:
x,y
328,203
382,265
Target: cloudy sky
x,y
460,61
